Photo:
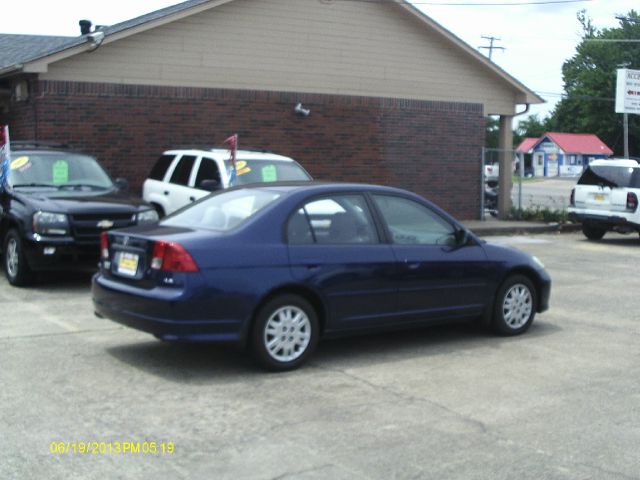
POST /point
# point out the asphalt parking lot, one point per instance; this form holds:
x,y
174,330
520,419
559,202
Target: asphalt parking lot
x,y
560,402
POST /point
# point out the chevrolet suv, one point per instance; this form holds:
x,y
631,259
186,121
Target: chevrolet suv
x,y
54,207
606,198
182,176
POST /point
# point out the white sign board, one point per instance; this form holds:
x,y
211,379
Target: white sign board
x,y
628,91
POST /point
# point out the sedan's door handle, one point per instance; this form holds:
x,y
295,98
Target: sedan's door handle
x,y
412,265
166,192
193,199
311,264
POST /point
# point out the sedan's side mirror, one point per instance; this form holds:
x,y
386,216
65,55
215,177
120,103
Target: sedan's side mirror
x,y
121,184
210,185
462,237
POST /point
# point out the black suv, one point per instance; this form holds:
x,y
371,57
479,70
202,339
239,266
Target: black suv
x,y
55,206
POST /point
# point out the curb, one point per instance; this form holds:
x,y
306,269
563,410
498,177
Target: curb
x,y
505,229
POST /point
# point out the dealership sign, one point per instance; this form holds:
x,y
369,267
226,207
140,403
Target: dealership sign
x,y
628,91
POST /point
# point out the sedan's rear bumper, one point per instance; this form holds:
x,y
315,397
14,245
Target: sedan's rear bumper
x,y
161,312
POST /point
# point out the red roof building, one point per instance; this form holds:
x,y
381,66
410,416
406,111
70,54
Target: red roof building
x,y
563,154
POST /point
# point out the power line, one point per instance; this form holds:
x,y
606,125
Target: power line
x,y
482,4
578,97
613,40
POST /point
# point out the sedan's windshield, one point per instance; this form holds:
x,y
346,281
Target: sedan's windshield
x,y
58,170
259,171
223,211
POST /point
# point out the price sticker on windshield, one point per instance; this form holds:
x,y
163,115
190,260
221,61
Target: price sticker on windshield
x,y
19,163
60,172
269,173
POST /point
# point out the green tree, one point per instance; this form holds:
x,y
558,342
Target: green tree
x,y
590,83
532,126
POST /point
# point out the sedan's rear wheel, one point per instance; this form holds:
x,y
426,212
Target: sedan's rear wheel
x,y
593,232
16,268
285,333
515,306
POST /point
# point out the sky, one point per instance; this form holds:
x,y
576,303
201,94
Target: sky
x,y
537,35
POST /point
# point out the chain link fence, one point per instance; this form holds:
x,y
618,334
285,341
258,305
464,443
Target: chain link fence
x,y
532,193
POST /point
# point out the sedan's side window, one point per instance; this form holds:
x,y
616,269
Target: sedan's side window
x,y
299,230
411,223
339,219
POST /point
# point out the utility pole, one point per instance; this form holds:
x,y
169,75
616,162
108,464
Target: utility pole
x,y
491,47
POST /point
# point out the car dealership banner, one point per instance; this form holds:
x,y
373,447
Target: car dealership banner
x,y
628,91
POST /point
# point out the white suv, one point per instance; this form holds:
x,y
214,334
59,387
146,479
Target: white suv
x,y
182,176
606,198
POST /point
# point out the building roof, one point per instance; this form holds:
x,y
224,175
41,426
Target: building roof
x,y
579,143
18,50
527,145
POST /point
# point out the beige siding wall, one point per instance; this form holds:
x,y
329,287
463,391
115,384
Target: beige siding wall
x,y
350,48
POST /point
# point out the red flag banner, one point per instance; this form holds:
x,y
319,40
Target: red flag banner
x,y
5,155
233,149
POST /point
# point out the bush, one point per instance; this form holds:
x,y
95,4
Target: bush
x,y
541,214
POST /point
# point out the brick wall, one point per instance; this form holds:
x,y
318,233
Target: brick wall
x,y
432,148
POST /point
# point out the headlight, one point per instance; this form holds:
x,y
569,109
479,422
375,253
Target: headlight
x,y
48,223
148,216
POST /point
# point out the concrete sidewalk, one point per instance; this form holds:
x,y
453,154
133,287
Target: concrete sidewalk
x,y
494,226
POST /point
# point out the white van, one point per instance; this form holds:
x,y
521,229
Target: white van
x,y
182,176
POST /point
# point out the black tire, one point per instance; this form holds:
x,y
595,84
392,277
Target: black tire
x,y
592,232
16,268
515,306
292,323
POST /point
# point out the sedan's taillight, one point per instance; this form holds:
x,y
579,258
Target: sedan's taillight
x,y
172,257
104,246
572,197
632,201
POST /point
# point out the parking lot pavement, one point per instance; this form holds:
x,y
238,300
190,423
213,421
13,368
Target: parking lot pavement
x,y
560,402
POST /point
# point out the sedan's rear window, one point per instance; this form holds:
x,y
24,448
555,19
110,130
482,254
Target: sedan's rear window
x,y
223,211
611,176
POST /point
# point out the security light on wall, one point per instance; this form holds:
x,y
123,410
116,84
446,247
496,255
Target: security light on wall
x,y
300,110
21,91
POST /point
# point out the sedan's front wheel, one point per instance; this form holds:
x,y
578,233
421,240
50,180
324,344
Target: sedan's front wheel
x,y
285,333
515,306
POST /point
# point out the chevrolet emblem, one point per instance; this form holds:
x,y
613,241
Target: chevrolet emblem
x,y
104,224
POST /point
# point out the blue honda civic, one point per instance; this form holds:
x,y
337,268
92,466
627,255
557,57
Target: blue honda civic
x,y
278,266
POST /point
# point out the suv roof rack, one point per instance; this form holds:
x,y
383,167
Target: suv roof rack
x,y
37,144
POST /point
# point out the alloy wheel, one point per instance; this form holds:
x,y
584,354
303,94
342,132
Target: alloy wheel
x,y
13,260
287,333
517,306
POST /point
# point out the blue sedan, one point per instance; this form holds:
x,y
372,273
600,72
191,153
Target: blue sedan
x,y
278,266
